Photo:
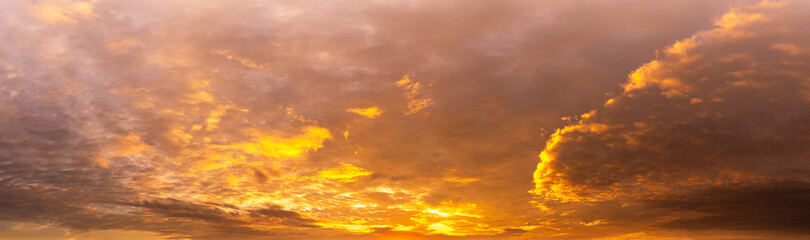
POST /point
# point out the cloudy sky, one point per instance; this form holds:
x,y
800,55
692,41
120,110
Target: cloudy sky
x,y
411,119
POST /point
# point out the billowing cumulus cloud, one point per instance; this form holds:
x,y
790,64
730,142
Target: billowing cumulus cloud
x,y
400,119
712,134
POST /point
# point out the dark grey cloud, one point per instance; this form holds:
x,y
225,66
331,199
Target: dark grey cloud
x,y
177,208
774,206
284,217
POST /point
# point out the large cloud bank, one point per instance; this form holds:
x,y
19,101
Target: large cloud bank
x,y
712,134
403,119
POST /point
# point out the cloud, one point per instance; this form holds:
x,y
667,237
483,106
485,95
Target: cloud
x,y
369,112
285,217
62,11
201,119
712,131
176,208
345,173
413,92
773,206
461,180
281,147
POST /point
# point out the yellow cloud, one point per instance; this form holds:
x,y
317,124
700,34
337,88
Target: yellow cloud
x,y
404,81
413,92
179,136
441,228
345,173
244,61
199,97
417,105
681,47
670,75
638,235
212,122
452,209
120,147
545,179
728,26
737,18
62,11
131,144
101,162
275,146
370,112
461,180
122,45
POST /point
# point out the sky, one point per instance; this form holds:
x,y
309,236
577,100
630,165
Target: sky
x,y
404,119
